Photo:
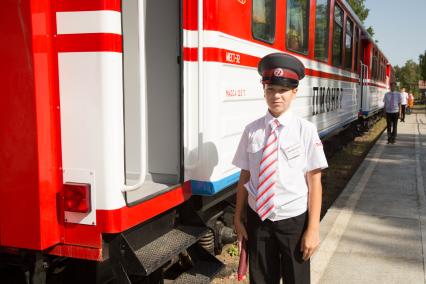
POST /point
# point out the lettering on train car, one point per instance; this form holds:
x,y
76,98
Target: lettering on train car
x,y
235,93
326,99
233,57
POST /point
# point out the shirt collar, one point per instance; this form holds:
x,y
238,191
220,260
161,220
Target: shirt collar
x,y
284,118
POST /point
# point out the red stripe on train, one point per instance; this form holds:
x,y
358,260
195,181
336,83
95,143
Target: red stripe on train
x,y
376,85
231,57
320,74
94,42
88,5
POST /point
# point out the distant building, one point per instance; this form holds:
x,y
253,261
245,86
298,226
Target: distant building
x,y
422,86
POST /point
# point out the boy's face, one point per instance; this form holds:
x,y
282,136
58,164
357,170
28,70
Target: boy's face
x,y
278,98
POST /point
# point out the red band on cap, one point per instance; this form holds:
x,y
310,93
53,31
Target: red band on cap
x,y
281,73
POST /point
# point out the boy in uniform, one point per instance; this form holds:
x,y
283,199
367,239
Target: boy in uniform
x,y
281,157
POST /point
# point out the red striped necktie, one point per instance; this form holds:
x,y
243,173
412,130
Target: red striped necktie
x,y
268,173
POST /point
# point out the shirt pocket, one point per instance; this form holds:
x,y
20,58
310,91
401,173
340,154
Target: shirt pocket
x,y
294,154
255,150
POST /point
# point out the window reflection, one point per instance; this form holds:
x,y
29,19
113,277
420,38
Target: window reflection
x,y
337,36
297,25
321,29
263,20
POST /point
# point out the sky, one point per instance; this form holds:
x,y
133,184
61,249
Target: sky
x,y
400,28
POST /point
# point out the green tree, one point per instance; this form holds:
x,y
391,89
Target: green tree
x,y
422,65
362,12
408,76
370,30
359,8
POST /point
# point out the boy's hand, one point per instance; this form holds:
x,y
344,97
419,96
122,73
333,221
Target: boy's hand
x,y
241,232
310,242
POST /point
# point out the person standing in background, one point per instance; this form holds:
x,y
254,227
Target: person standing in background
x,y
410,104
404,100
392,110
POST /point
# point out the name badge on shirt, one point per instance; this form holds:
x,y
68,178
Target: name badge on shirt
x,y
292,151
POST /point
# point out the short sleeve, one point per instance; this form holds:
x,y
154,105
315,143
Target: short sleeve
x,y
241,158
315,152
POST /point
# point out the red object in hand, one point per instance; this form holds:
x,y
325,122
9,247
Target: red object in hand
x,y
242,266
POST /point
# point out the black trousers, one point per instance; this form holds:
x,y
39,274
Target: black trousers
x,y
403,112
392,125
274,250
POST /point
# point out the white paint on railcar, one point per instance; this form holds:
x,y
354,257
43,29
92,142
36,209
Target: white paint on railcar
x,y
91,95
84,22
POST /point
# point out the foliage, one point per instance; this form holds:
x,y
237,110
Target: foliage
x,y
370,30
359,8
362,12
422,65
233,250
408,76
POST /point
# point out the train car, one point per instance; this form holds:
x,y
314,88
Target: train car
x,y
375,76
120,120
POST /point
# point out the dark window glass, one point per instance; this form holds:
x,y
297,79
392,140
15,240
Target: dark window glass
x,y
348,44
356,57
297,25
322,22
383,70
374,65
264,20
337,36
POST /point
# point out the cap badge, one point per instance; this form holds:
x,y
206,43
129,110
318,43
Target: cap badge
x,y
278,72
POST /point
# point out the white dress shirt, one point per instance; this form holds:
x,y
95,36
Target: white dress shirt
x,y
392,101
404,98
300,151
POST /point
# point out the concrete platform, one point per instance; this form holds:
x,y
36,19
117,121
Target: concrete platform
x,y
376,230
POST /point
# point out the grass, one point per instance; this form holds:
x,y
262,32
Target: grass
x,y
233,250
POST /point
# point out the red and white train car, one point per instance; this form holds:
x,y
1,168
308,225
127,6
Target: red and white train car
x,y
120,120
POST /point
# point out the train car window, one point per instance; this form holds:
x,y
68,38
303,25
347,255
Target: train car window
x,y
322,23
263,20
356,40
348,44
374,65
378,65
297,25
383,70
337,36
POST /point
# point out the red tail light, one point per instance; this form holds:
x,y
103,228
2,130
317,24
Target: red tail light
x,y
77,197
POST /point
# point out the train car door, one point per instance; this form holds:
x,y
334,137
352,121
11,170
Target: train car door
x,y
364,84
151,56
